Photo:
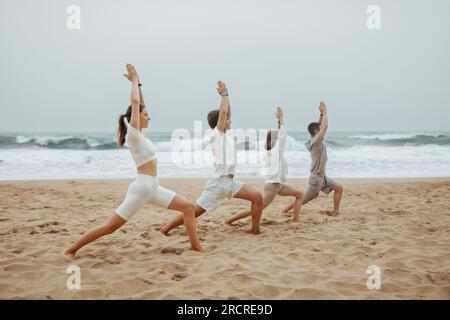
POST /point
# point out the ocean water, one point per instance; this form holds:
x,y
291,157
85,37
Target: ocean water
x,y
25,156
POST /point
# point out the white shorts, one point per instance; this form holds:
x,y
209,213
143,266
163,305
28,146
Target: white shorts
x,y
216,190
145,189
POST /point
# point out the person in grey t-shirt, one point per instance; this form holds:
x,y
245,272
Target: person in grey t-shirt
x,y
318,180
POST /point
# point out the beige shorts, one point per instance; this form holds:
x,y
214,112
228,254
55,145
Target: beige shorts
x,y
271,190
317,183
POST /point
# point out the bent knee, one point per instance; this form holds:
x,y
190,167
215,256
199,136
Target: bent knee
x,y
188,215
188,207
299,195
257,198
339,188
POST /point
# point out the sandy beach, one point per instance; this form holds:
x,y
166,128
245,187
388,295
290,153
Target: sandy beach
x,y
400,225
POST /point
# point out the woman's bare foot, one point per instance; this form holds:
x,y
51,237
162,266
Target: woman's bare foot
x,y
71,255
296,218
164,231
255,231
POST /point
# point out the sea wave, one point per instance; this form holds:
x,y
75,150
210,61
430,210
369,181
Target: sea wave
x,y
163,141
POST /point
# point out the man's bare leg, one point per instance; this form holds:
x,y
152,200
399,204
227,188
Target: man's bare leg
x,y
238,216
338,191
250,194
178,221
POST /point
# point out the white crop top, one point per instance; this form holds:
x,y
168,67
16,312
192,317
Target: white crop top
x,y
141,148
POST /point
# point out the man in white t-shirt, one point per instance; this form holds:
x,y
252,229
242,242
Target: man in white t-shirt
x,y
223,184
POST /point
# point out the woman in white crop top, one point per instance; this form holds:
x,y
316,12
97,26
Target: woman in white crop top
x,y
146,187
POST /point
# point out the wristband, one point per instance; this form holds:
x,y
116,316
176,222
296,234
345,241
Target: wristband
x,y
224,95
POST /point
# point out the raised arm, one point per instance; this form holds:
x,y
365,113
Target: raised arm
x,y
224,111
135,92
279,116
282,133
141,96
323,118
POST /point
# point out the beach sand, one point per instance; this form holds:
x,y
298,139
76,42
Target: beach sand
x,y
400,225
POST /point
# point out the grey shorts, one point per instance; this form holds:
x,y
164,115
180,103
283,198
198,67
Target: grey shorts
x,y
271,190
216,190
318,183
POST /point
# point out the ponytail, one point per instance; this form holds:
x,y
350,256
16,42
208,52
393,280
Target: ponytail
x,y
122,130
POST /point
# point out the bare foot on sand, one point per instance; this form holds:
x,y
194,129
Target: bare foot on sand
x,y
330,213
254,231
227,223
198,248
71,256
164,232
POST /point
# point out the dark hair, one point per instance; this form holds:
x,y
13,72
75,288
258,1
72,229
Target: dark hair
x,y
122,130
213,118
271,139
312,128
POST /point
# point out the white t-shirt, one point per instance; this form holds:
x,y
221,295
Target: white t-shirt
x,y
276,167
224,152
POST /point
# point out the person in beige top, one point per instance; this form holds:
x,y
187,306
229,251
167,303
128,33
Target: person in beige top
x,y
318,180
276,172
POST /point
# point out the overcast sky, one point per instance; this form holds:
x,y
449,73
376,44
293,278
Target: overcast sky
x,y
269,53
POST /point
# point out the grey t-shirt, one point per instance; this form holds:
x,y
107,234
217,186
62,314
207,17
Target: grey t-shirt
x,y
318,153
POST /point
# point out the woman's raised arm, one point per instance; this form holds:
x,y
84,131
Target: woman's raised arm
x,y
135,100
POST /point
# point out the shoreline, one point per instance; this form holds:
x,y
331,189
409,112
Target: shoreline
x,y
255,180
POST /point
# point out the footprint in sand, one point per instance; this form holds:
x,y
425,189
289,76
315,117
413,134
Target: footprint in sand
x,y
47,224
172,250
179,276
269,222
12,230
52,231
146,235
